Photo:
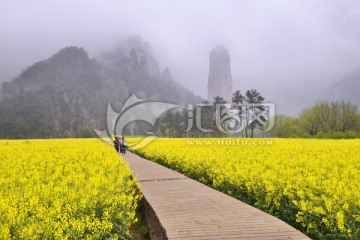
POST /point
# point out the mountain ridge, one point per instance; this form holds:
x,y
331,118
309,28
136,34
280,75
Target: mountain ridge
x,y
69,92
346,88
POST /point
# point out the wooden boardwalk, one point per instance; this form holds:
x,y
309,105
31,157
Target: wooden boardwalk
x,y
187,209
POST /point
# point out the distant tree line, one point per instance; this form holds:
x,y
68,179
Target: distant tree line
x,y
324,119
206,119
339,119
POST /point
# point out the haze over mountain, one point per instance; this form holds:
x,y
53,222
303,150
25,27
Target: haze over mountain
x,y
68,93
346,89
291,51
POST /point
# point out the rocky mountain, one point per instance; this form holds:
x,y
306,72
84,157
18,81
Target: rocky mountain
x,y
67,94
220,79
346,89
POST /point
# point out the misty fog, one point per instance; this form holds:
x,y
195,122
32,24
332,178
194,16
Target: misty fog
x,y
291,51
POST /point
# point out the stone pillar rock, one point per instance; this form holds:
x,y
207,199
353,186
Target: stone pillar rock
x,y
220,79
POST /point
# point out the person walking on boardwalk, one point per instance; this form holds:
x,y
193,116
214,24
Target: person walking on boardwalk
x,y
117,144
123,146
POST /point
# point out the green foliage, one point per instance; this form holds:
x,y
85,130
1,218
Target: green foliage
x,y
329,117
357,127
337,135
238,98
206,120
252,96
309,121
85,132
57,96
285,127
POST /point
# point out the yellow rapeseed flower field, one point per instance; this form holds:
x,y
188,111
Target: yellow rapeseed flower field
x,y
312,184
64,189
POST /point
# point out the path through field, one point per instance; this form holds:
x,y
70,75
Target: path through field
x,y
187,209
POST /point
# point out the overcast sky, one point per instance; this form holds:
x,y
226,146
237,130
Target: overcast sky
x,y
290,50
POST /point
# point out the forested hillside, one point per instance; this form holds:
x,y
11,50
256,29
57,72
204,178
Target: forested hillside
x,y
66,95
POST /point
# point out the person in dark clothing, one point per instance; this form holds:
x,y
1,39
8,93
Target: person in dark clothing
x,y
121,148
123,145
117,144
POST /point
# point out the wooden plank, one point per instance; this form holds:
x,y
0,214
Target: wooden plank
x,y
187,209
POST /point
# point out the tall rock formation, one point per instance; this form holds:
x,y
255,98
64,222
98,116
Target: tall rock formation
x,y
220,80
